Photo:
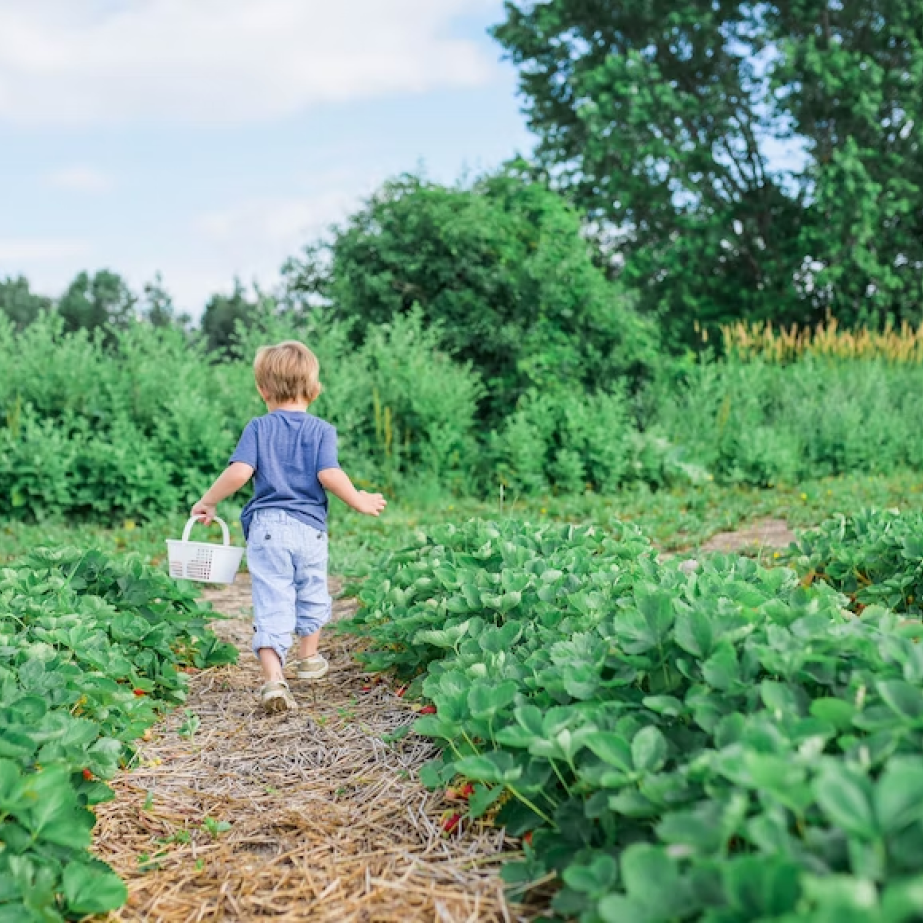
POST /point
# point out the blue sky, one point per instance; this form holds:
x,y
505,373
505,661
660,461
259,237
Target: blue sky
x,y
209,139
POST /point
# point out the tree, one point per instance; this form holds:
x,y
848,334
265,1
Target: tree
x,y
91,302
19,303
224,312
157,306
849,81
500,266
664,119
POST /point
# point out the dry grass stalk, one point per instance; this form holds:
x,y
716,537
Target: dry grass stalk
x,y
785,344
327,820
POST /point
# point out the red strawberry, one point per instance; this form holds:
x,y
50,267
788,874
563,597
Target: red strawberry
x,y
466,791
527,839
139,692
428,710
450,824
87,775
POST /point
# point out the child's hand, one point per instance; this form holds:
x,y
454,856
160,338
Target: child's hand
x,y
205,512
370,504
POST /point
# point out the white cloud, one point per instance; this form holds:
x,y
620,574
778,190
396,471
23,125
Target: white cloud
x,y
79,179
224,61
23,250
251,239
282,221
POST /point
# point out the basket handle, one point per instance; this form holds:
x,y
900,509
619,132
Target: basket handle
x,y
194,519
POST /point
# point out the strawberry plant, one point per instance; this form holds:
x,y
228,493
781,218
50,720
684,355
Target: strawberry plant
x,y
89,653
873,556
727,745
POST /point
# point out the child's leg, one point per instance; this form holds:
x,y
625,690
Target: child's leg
x,y
269,561
313,603
308,645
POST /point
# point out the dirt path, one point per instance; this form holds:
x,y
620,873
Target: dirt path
x,y
764,533
326,820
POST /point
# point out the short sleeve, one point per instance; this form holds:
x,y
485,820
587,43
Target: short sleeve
x,y
246,450
327,450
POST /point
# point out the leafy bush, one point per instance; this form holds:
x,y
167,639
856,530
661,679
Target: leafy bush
x,y
140,426
723,746
760,422
500,266
89,653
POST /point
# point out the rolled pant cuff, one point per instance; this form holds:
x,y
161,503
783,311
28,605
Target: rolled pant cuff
x,y
262,639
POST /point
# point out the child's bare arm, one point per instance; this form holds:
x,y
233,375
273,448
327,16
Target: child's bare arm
x,y
339,484
228,482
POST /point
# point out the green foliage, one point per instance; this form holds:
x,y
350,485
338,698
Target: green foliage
x,y
747,159
140,426
723,746
572,443
848,81
157,307
97,301
761,423
89,653
19,303
500,266
873,556
224,314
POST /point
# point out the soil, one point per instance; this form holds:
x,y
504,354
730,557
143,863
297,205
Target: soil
x,y
765,533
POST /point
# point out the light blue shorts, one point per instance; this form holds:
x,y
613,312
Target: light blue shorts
x,y
288,566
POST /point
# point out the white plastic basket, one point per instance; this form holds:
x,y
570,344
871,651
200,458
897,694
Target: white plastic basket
x,y
204,561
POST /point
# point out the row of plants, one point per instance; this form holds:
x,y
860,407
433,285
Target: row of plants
x,y
91,654
726,743
873,557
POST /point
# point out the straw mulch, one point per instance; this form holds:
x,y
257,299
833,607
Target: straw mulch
x,y
327,820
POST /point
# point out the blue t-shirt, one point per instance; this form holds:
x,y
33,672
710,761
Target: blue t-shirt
x,y
287,449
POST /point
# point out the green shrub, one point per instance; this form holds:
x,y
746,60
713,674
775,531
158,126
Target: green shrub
x,y
760,423
140,424
873,556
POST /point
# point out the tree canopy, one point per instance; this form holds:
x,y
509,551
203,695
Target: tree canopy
x,y
19,303
500,265
756,160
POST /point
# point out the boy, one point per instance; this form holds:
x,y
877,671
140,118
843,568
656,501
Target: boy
x,y
294,458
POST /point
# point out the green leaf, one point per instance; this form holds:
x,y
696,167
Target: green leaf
x,y
845,797
762,887
648,750
595,879
898,795
837,712
903,698
612,749
483,798
695,633
92,889
495,768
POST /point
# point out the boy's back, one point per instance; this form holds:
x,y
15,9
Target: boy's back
x,y
287,449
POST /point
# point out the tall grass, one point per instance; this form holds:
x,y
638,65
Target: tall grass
x,y
786,344
761,422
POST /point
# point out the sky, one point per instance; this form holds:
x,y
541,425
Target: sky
x,y
211,139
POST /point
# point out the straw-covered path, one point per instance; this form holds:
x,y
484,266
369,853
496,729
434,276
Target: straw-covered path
x,y
233,815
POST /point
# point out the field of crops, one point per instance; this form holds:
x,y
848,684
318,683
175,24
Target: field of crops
x,y
92,654
722,741
712,738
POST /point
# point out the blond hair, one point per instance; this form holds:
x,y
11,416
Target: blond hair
x,y
286,372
